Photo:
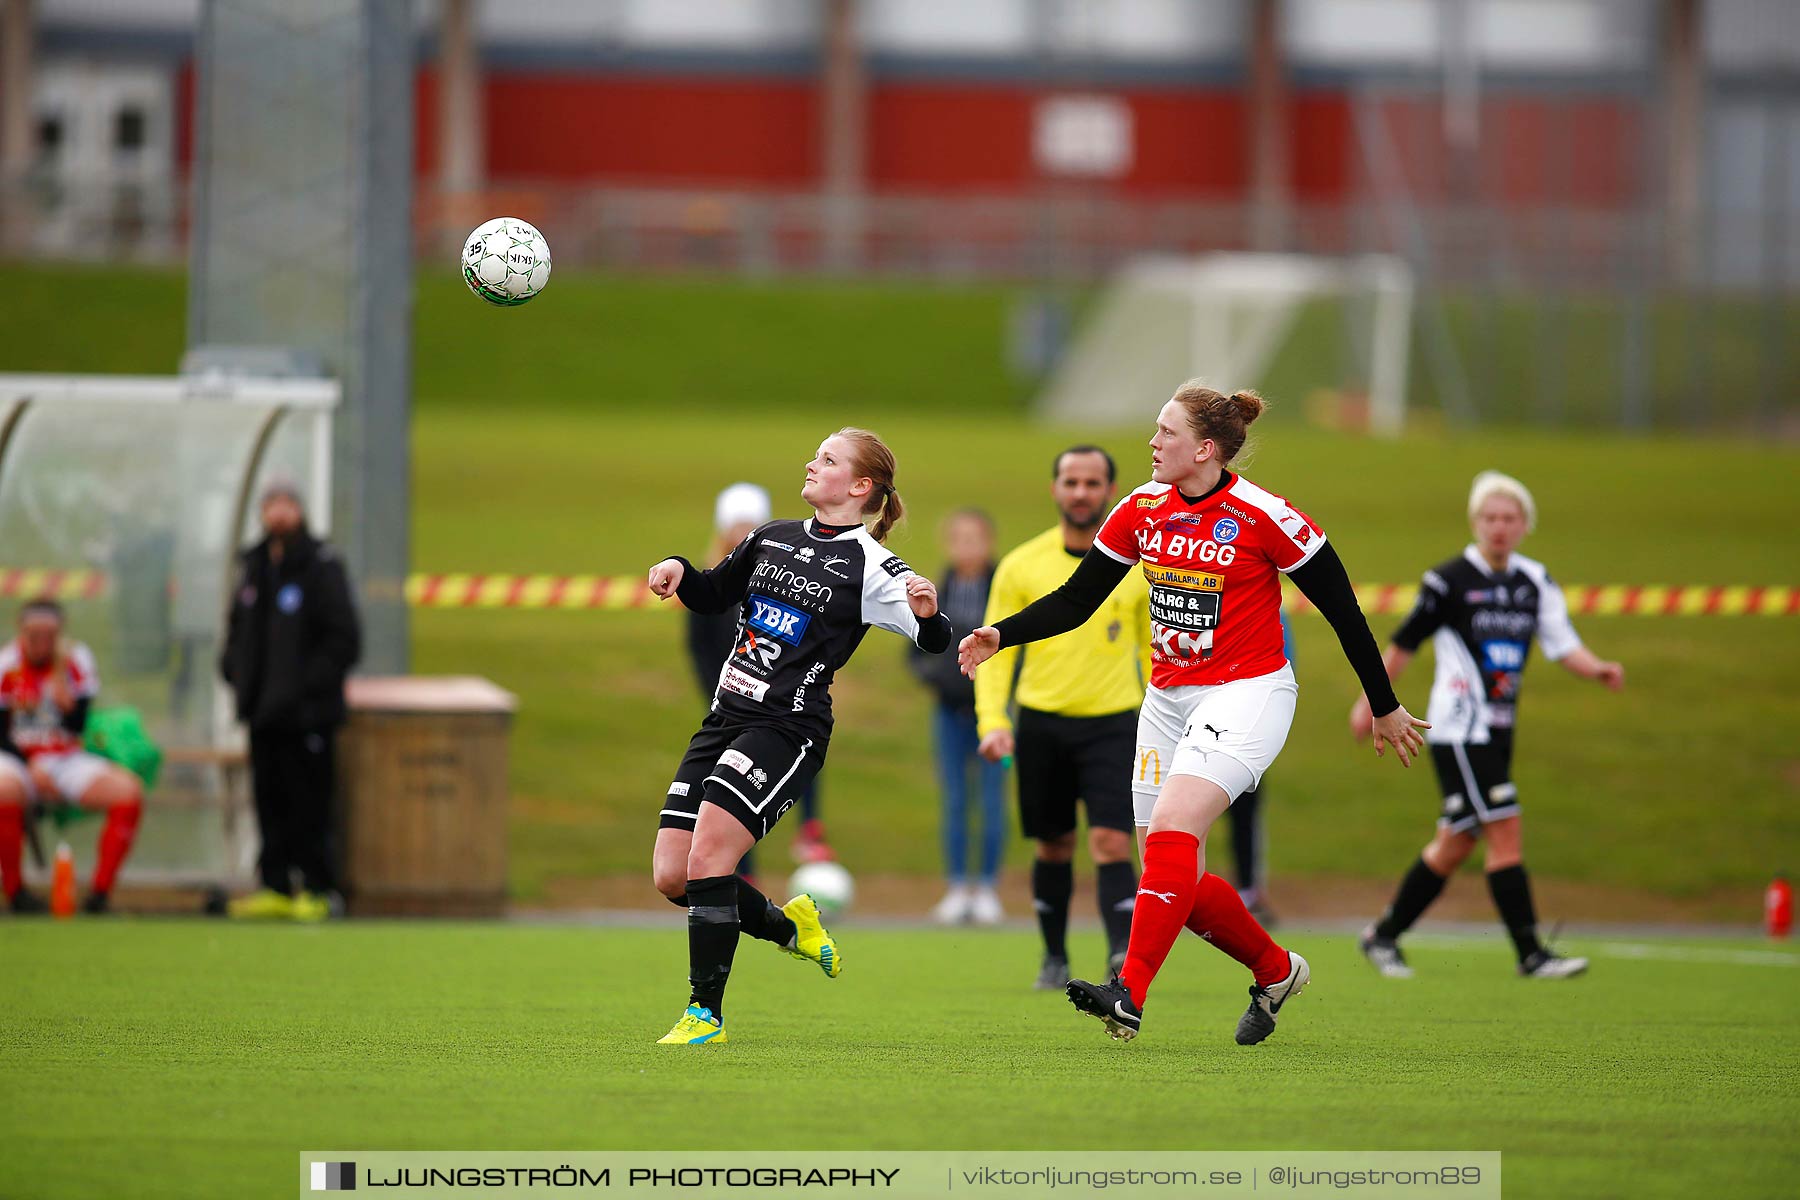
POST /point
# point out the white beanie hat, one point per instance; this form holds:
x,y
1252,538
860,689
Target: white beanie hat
x,y
740,504
1495,483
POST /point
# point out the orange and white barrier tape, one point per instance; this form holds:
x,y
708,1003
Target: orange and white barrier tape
x,y
631,591
28,583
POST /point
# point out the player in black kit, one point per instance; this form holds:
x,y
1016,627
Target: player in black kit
x,y
1481,609
807,592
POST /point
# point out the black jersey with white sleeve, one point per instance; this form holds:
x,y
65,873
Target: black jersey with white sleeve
x,y
1482,623
806,594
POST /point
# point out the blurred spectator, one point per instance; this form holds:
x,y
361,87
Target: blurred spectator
x,y
292,637
47,686
739,509
963,597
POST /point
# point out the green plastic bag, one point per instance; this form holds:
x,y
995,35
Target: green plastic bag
x,y
119,734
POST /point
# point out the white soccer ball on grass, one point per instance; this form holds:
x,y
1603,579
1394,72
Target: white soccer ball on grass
x,y
828,883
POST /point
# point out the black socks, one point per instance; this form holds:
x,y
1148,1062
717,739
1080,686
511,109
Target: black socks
x,y
760,918
712,939
1117,885
1421,886
1052,883
1511,889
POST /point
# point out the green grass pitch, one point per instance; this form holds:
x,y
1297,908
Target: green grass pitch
x,y
195,1058
588,432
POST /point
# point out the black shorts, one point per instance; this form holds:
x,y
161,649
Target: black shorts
x,y
1065,759
1476,779
754,772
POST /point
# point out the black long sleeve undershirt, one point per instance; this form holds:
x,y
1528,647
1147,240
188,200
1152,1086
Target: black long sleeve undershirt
x,y
934,634
1080,595
1322,580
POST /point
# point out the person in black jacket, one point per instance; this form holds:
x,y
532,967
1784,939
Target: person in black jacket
x,y
963,596
292,636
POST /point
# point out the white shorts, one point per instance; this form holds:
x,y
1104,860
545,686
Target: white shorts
x,y
1227,733
70,774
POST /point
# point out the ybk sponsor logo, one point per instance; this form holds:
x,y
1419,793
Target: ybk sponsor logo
x,y
778,620
334,1177
1225,530
1502,656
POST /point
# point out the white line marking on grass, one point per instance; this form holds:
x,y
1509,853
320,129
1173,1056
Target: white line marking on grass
x,y
1699,954
1638,950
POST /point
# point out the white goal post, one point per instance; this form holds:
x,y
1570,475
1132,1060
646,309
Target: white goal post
x,y
1223,318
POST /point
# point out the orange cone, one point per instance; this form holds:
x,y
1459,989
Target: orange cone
x,y
62,882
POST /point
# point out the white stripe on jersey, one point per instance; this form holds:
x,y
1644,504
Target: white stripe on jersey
x,y
1458,709
1555,632
1274,507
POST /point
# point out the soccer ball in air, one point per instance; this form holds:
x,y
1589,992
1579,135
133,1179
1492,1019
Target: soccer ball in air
x,y
506,261
827,883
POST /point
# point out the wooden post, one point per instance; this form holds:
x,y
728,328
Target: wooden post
x,y
1269,198
1683,111
461,136
842,108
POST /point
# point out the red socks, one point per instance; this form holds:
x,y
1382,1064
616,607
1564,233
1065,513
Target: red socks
x,y
1165,896
12,847
1220,917
115,843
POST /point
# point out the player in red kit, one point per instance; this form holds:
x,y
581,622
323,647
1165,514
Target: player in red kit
x,y
1212,546
46,687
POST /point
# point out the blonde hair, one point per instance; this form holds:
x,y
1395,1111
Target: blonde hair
x,y
870,456
1224,419
1496,483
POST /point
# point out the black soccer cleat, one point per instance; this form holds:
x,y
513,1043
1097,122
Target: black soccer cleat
x,y
97,903
1258,1021
1111,1002
26,903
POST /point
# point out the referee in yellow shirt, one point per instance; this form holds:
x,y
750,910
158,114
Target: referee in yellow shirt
x,y
1078,697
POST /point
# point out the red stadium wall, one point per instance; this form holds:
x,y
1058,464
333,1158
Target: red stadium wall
x,y
960,138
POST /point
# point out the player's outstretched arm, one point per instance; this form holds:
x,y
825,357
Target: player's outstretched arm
x,y
977,648
1362,722
1095,577
666,576
1323,580
1585,663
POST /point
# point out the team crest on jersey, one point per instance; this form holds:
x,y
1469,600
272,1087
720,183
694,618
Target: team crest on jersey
x,y
1225,530
896,566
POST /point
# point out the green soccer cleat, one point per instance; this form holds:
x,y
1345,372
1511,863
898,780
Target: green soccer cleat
x,y
811,941
697,1027
263,905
